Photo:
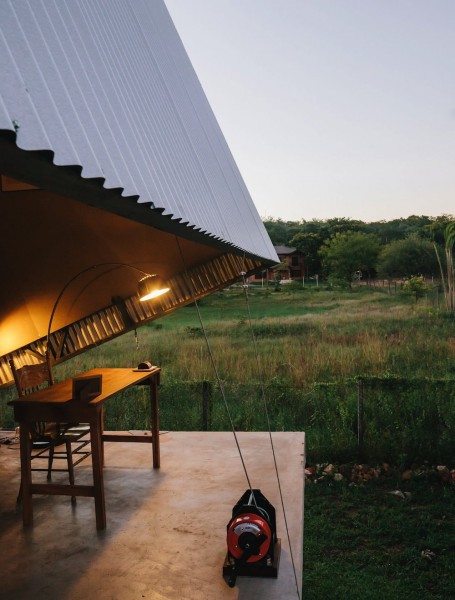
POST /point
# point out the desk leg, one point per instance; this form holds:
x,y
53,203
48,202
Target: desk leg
x,y
98,480
26,474
155,421
101,425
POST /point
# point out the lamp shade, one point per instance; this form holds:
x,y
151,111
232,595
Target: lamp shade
x,y
151,286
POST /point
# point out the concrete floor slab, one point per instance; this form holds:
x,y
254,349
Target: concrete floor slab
x,y
166,529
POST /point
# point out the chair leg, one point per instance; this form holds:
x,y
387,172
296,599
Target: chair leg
x,y
69,457
19,495
51,460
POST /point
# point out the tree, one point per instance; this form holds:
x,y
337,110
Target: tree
x,y
341,225
280,231
448,278
407,258
416,287
309,244
437,229
399,229
346,253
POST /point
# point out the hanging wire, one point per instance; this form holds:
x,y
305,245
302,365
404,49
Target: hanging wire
x,y
217,375
266,409
223,395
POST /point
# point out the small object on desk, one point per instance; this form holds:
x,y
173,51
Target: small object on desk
x,y
145,366
86,388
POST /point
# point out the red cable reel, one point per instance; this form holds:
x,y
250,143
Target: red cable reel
x,y
252,545
249,534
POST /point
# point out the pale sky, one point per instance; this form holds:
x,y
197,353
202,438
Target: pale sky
x,y
332,108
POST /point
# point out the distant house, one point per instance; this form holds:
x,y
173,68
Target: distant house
x,y
289,268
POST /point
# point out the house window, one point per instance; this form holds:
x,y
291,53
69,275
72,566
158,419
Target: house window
x,y
295,261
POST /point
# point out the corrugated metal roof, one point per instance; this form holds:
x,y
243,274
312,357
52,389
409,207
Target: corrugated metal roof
x,y
106,85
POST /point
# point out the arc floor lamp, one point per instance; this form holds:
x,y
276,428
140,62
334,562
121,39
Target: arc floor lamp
x,y
150,286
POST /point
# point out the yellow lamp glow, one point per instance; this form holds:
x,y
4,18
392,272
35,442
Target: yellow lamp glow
x,y
151,286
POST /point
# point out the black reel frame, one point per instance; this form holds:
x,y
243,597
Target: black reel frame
x,y
253,547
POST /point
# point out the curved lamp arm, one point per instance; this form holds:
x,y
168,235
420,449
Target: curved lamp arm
x,y
149,287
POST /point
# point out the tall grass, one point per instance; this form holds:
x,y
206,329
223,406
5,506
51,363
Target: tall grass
x,y
312,346
317,337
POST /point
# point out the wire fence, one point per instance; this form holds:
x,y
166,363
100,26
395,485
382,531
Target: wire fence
x,y
371,420
366,420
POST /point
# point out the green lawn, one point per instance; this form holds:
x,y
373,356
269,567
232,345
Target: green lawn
x,y
363,543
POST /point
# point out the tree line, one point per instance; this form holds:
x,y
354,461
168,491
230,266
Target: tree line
x,y
347,249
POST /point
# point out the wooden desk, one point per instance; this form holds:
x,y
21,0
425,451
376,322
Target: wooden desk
x,y
55,404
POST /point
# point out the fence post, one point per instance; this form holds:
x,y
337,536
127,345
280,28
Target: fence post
x,y
206,405
360,421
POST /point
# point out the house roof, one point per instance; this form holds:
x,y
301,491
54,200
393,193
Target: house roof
x,y
284,250
101,111
106,89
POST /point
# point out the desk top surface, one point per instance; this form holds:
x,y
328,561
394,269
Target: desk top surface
x,y
113,381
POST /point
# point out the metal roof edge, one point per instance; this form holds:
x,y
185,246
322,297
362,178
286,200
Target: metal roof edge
x,y
37,168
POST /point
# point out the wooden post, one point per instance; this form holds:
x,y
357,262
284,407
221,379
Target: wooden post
x,y
97,469
360,421
26,474
206,405
155,420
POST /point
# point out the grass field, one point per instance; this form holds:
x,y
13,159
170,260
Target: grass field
x,y
303,336
361,541
366,542
313,345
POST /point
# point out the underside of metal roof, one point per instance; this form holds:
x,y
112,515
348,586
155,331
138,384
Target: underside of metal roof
x,y
109,152
107,87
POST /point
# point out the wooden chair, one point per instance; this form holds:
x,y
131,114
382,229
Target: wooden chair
x,y
46,437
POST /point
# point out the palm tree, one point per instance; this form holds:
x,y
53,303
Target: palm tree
x,y
448,278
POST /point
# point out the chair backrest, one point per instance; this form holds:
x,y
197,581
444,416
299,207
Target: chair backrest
x,y
30,377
